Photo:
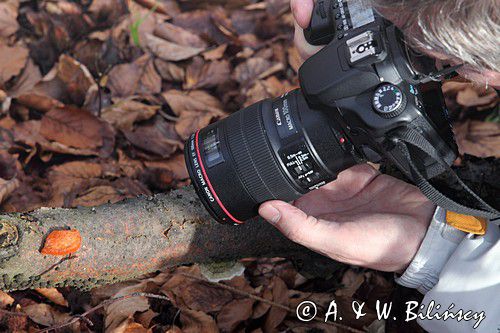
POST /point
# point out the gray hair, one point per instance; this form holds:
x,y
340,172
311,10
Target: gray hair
x,y
465,29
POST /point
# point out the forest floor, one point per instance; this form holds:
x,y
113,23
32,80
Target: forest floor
x,y
96,100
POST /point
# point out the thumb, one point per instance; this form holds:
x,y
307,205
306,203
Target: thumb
x,y
298,226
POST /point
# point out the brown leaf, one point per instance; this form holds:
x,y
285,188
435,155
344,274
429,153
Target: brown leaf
x,y
138,77
62,243
478,138
170,51
169,71
255,68
77,128
197,321
12,61
5,300
121,310
123,113
195,109
7,187
158,138
76,78
208,75
280,295
8,18
130,326
178,35
216,53
351,281
46,315
174,164
233,313
53,295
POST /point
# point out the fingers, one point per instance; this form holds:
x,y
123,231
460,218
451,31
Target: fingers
x,y
305,49
302,11
299,227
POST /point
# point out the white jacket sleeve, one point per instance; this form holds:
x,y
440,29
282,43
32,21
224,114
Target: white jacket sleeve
x,y
459,274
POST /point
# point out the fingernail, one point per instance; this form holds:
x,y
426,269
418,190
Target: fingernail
x,y
270,214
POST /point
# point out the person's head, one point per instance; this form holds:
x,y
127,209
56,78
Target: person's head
x,y
456,31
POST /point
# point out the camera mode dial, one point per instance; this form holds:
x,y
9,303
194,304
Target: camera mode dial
x,y
388,100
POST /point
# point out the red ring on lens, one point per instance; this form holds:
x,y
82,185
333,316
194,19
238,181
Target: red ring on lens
x,y
210,184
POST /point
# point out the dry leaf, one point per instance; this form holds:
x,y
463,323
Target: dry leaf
x,y
62,242
169,71
197,321
179,35
8,18
234,313
170,51
45,315
7,187
216,53
125,112
280,295
138,77
12,61
255,68
208,75
77,128
53,295
5,300
478,138
158,138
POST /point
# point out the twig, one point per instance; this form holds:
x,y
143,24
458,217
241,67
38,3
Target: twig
x,y
69,257
16,314
76,318
263,300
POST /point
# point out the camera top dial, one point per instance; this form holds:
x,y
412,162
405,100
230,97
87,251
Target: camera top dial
x,y
388,100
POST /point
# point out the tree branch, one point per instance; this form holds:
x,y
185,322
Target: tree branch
x,y
126,240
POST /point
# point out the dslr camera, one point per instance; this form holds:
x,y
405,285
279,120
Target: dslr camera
x,y
366,96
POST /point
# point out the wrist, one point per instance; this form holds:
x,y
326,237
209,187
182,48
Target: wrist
x,y
436,248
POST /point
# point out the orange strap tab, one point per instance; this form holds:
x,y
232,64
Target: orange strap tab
x,y
467,223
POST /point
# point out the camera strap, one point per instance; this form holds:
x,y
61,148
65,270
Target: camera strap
x,y
412,138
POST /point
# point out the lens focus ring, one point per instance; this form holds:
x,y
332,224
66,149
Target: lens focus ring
x,y
253,158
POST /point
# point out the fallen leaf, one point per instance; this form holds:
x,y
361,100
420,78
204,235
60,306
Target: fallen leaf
x,y
196,109
7,187
255,68
130,326
169,71
234,313
215,53
197,321
45,315
158,138
138,77
478,138
123,113
76,78
170,51
12,61
77,128
178,35
62,242
5,300
8,18
280,295
208,75
53,295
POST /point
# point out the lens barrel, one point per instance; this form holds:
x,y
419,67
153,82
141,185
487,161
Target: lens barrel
x,y
274,149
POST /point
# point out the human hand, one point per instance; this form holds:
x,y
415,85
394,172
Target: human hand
x,y
363,218
302,11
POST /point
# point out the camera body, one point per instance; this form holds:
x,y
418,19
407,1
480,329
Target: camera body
x,y
369,80
359,95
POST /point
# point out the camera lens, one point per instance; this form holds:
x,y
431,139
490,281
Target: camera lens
x,y
274,149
